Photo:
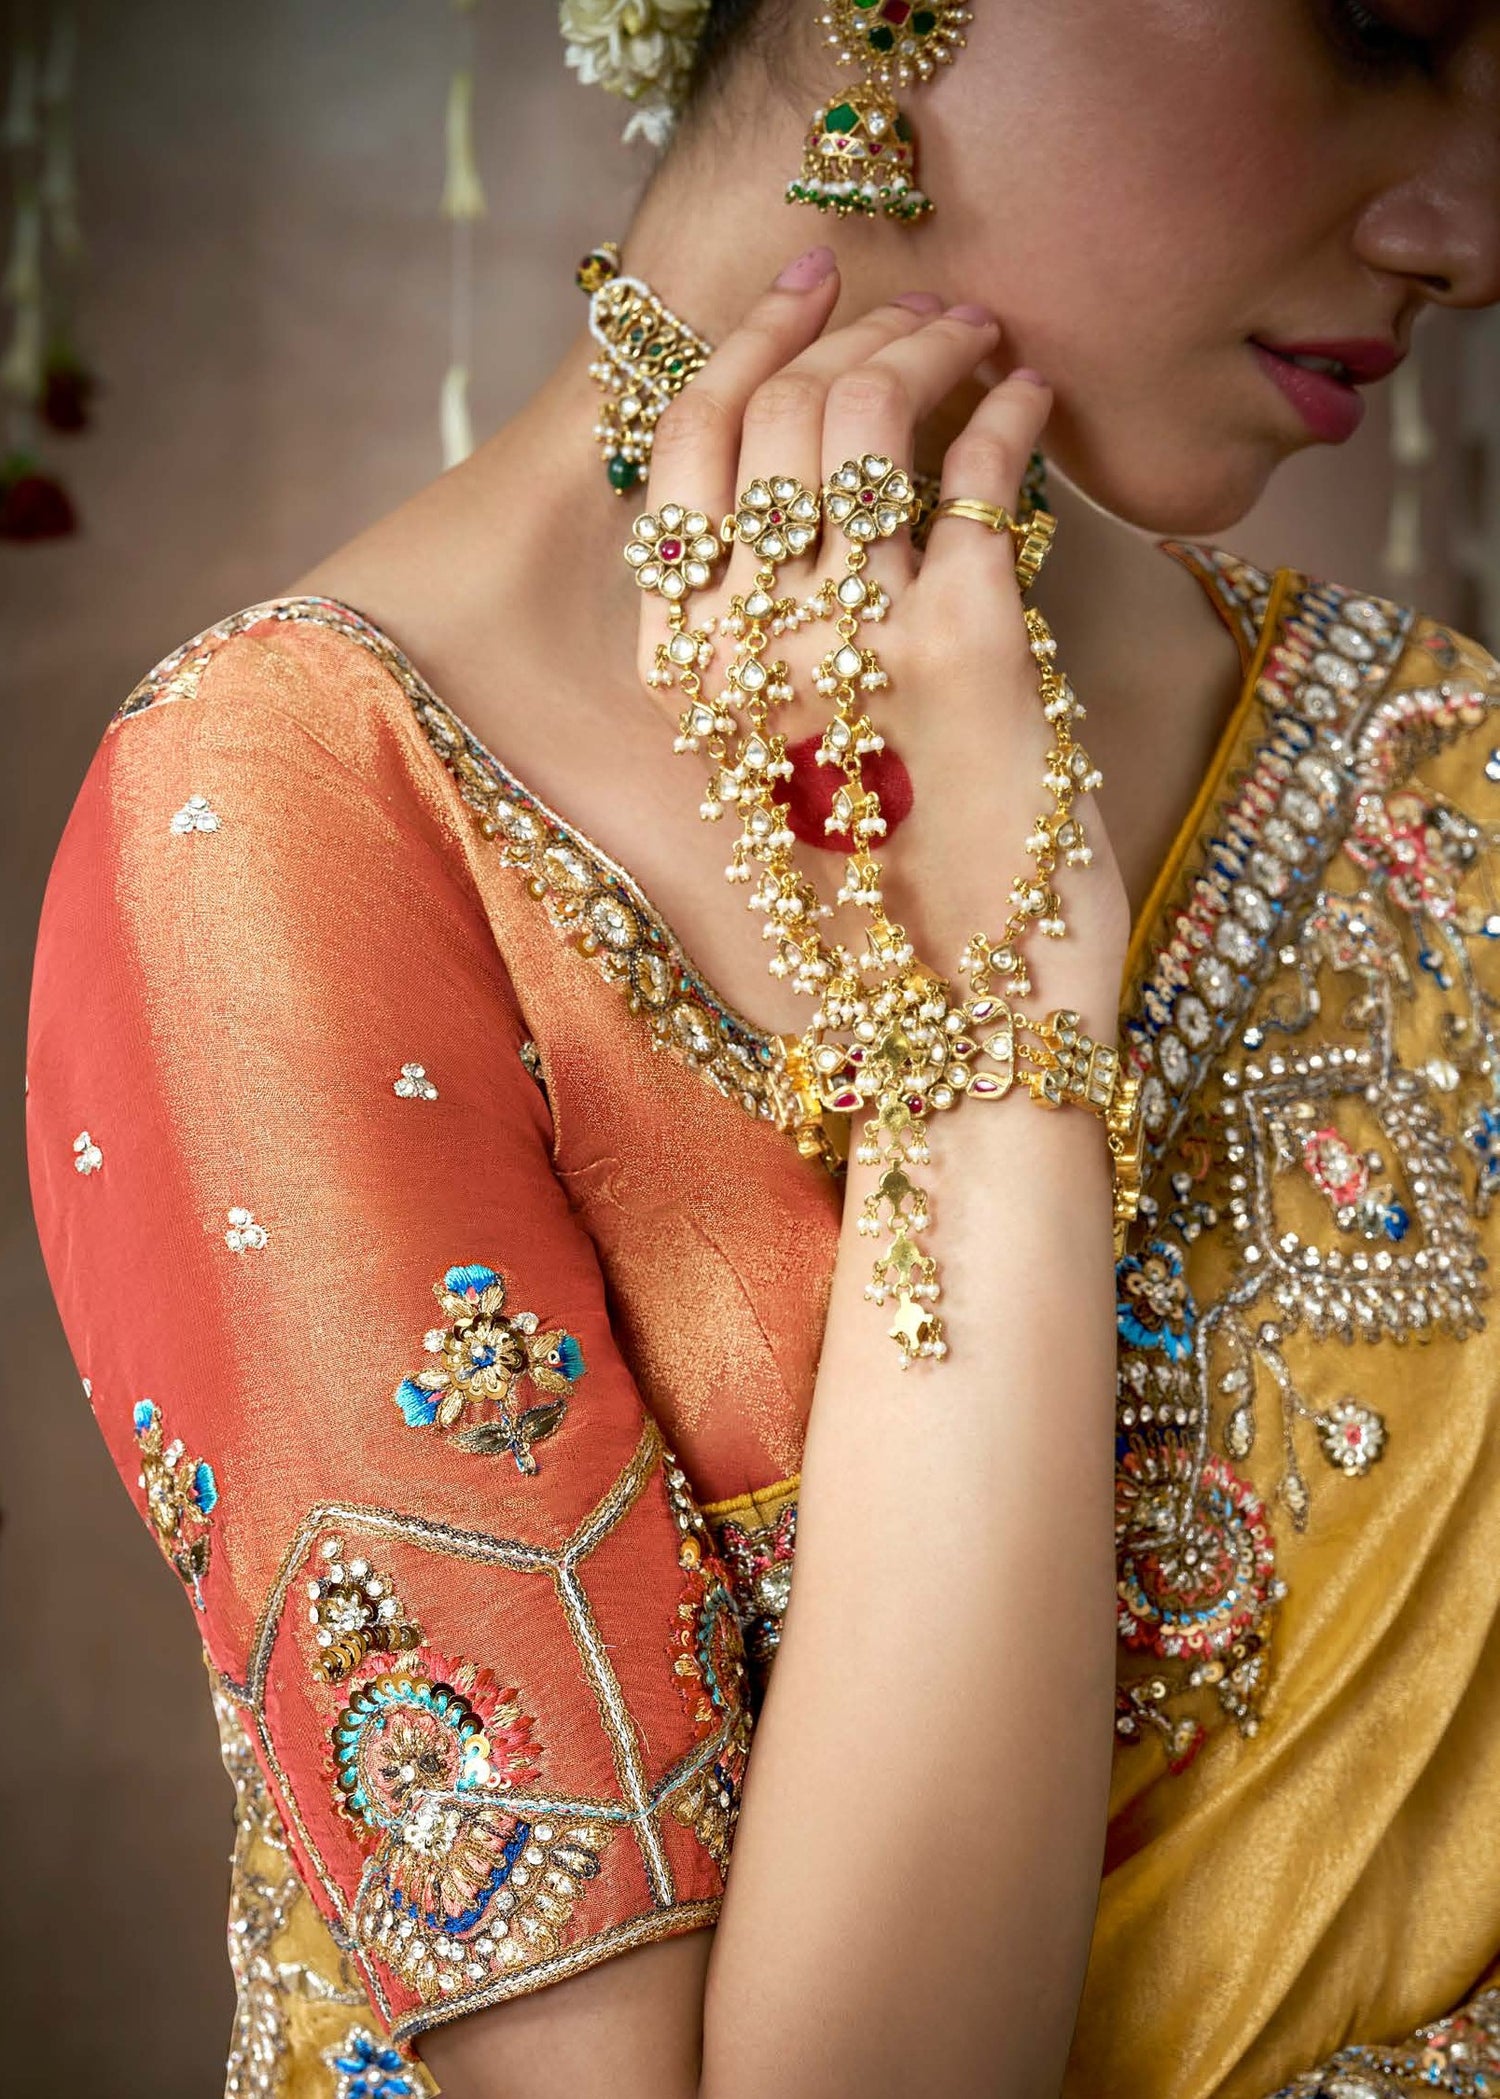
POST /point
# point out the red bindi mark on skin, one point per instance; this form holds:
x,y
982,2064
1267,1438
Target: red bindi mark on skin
x,y
809,793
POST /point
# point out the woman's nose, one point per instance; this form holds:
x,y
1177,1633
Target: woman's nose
x,y
1440,230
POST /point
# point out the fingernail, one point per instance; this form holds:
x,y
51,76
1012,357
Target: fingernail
x,y
976,316
1024,371
919,302
815,267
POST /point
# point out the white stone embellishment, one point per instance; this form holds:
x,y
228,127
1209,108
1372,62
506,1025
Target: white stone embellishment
x,y
196,814
414,1084
244,1234
87,1156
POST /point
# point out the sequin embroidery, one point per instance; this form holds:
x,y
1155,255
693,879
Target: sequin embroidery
x,y
353,1611
244,1234
1459,2056
87,1157
487,1354
181,1495
460,1888
368,2068
413,1084
196,814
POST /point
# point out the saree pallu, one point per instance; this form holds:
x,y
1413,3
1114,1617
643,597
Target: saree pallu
x,y
432,1242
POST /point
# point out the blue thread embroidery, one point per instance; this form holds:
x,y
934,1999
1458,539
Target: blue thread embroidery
x,y
487,1354
181,1494
1154,1308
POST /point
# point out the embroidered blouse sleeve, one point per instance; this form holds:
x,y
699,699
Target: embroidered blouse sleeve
x,y
351,1352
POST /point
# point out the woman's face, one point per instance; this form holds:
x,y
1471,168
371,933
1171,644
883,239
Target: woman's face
x,y
1155,195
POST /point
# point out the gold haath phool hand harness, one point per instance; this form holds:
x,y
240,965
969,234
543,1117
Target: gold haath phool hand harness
x,y
890,1041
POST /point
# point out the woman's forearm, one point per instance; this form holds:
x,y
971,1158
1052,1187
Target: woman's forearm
x,y
918,1859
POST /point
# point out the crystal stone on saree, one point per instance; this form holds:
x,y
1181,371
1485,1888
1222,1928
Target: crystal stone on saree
x,y
487,1639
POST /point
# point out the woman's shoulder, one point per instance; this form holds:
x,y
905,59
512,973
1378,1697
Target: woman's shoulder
x,y
289,669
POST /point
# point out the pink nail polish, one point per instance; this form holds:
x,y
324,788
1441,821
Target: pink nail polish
x,y
976,316
1024,371
815,267
919,302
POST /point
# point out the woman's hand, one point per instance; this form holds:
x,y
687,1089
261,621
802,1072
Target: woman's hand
x,y
784,394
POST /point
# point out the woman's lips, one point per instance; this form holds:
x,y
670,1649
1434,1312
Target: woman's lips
x,y
1329,406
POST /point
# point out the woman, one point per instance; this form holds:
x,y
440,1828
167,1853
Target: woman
x,y
332,1009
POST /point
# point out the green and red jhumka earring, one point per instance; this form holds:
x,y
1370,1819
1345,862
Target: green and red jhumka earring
x,y
860,154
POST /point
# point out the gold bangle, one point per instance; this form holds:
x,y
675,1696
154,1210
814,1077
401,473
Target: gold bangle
x,y
1076,1071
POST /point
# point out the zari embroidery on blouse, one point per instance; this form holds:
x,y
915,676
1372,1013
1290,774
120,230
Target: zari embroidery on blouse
x,y
487,1355
181,1496
274,1933
472,1869
757,1541
589,898
708,1658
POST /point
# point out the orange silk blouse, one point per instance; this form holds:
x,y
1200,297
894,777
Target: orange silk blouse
x,y
449,1289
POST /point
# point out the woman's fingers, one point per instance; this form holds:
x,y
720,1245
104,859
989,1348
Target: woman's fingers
x,y
876,406
696,447
783,428
986,462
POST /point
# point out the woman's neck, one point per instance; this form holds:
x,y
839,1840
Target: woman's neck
x,y
514,558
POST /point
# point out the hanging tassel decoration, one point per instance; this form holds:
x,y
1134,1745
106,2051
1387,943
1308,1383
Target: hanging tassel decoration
x,y
463,206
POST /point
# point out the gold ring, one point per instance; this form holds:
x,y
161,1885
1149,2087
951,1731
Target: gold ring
x,y
994,515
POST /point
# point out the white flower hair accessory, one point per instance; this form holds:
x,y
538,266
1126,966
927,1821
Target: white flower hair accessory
x,y
641,49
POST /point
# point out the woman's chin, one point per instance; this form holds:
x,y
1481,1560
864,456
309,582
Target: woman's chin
x,y
1172,493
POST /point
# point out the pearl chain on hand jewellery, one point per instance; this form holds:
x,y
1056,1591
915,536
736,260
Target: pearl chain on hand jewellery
x,y
889,1041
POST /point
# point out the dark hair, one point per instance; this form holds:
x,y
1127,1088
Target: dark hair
x,y
728,28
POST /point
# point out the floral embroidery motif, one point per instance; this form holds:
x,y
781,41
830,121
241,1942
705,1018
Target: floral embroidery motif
x,y
1326,794
709,1662
487,1354
1196,1582
354,1610
87,1157
1352,1436
1155,1309
1459,2056
758,1561
459,1887
1343,1176
414,1084
181,1494
367,2068
244,1234
196,814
